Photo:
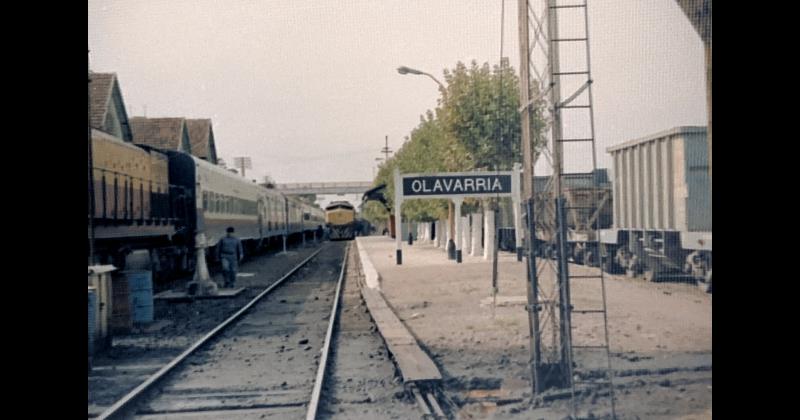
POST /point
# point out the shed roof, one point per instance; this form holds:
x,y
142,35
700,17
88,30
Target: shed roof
x,y
676,131
201,137
105,96
161,133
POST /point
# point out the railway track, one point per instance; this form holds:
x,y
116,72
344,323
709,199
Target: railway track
x,y
268,359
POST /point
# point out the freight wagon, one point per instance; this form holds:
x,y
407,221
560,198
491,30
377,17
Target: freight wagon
x,y
662,207
588,206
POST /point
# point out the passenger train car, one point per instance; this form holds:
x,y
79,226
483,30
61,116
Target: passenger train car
x,y
340,218
159,201
588,207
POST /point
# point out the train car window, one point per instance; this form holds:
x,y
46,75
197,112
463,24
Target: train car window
x,y
105,203
116,196
141,200
205,200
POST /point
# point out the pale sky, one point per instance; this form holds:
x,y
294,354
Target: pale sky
x,y
309,89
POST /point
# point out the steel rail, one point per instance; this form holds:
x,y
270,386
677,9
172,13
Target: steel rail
x,y
127,401
311,414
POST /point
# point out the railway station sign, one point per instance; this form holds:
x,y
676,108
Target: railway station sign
x,y
477,184
456,186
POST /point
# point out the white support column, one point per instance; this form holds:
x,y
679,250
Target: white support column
x,y
477,231
398,206
440,235
466,245
428,232
204,286
517,204
488,231
447,234
457,201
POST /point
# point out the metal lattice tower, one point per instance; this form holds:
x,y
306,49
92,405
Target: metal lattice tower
x,y
554,46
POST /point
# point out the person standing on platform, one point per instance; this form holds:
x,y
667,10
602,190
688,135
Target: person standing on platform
x,y
230,253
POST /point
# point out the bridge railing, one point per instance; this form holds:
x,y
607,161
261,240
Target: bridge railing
x,y
321,185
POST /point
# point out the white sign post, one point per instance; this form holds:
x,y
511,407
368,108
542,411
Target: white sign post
x,y
456,186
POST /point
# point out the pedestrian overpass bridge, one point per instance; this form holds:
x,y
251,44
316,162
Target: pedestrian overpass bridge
x,y
320,188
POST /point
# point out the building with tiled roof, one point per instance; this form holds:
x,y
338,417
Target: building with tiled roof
x,y
161,133
201,136
106,107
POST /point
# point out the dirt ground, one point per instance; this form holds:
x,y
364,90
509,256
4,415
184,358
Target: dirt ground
x,y
362,382
263,366
660,336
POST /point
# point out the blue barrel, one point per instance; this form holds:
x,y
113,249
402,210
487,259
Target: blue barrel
x,y
92,318
140,284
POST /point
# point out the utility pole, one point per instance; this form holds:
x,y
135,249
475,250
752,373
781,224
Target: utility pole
x,y
386,150
90,158
396,215
527,193
243,163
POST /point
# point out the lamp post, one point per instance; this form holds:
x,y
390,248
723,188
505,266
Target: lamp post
x,y
407,70
451,246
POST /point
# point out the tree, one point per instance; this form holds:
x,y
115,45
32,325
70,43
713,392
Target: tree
x,y
310,199
476,126
428,149
482,112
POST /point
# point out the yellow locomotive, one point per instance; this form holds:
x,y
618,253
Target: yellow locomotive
x,y
340,218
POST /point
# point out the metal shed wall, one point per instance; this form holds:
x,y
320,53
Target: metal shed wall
x,y
661,182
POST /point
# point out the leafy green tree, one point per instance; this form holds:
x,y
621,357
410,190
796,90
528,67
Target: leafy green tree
x,y
475,127
481,110
428,149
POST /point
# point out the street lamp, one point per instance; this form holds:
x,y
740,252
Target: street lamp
x,y
451,245
408,70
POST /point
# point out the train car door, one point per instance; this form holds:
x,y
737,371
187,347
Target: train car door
x,y
262,208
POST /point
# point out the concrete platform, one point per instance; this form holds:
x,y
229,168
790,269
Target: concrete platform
x,y
171,295
447,308
413,363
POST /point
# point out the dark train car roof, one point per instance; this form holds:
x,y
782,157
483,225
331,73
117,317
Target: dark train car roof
x,y
339,205
598,179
